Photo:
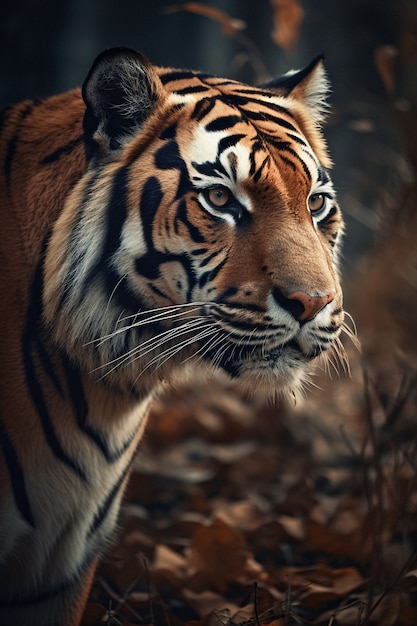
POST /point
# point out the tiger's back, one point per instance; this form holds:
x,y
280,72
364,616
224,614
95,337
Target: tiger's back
x,y
34,138
156,219
32,134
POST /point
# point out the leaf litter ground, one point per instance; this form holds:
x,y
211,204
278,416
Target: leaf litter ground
x,y
242,514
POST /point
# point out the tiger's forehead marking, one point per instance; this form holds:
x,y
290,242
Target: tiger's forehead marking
x,y
264,121
210,154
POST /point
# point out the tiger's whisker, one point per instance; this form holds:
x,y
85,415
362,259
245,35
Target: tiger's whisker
x,y
173,307
151,344
163,357
162,316
119,282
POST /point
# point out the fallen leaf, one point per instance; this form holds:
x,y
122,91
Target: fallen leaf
x,y
288,15
218,553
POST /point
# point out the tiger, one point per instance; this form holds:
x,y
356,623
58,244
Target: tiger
x,y
156,223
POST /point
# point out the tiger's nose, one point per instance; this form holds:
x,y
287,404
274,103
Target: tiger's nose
x,y
303,306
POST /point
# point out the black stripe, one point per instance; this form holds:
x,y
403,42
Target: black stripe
x,y
257,146
103,510
150,202
167,158
223,123
211,274
203,108
114,284
243,90
80,408
265,117
172,75
239,325
181,215
326,219
210,169
236,99
31,338
17,477
290,163
148,264
169,132
297,139
116,213
259,171
214,81
228,293
192,89
323,176
256,103
254,308
160,293
62,151
48,365
228,142
327,329
283,146
207,260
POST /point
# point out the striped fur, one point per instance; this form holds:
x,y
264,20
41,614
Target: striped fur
x,y
157,221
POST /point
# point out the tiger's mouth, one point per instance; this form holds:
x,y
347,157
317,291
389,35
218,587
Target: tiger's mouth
x,y
235,360
290,348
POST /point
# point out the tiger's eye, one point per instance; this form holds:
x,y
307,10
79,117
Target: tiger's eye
x,y
218,196
316,202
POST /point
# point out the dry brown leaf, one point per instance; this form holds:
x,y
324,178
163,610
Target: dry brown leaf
x,y
165,558
229,24
218,553
322,538
320,580
385,58
288,15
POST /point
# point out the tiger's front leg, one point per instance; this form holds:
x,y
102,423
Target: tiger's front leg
x,y
63,607
64,512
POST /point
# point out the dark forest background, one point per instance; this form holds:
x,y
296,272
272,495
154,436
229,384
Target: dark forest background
x,y
245,514
47,47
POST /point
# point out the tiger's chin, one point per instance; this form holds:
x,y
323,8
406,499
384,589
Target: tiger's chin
x,y
280,374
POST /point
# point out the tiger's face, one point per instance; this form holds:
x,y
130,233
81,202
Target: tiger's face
x,y
204,231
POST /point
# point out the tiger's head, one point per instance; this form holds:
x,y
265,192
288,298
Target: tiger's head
x,y
205,229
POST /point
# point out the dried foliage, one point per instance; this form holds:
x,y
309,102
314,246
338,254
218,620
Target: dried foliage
x,y
230,25
287,15
241,515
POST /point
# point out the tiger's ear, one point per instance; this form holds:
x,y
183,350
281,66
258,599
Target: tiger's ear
x,y
309,85
120,91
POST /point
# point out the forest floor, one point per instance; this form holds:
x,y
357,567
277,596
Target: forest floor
x,y
242,514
